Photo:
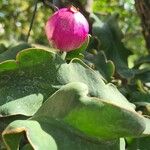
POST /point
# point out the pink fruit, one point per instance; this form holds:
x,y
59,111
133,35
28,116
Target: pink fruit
x,y
67,29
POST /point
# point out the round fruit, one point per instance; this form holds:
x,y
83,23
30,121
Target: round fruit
x,y
67,29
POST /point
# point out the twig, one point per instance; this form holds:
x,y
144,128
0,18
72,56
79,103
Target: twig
x,y
32,19
63,55
51,5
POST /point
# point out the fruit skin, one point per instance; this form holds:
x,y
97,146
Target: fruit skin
x,y
67,29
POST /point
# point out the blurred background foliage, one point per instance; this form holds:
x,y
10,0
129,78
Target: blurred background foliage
x,y
129,21
15,18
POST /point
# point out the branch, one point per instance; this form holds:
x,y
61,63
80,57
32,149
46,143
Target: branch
x,y
32,19
50,4
143,9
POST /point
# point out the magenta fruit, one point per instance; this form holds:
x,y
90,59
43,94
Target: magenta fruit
x,y
67,29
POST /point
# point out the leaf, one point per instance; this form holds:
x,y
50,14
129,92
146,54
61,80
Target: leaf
x,y
47,135
104,66
93,44
27,147
77,53
138,92
12,52
70,115
4,121
13,135
2,146
139,144
97,87
90,115
143,75
142,60
147,129
2,48
40,72
21,83
144,107
110,38
22,105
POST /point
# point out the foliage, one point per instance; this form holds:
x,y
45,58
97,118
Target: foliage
x,y
89,100
19,14
128,20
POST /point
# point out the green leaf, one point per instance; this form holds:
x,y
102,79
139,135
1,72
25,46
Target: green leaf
x,y
77,53
138,92
88,114
144,107
49,135
140,97
12,52
142,60
146,132
3,48
139,144
27,147
104,66
40,72
97,87
147,129
93,44
22,105
36,136
143,75
23,86
4,121
70,115
110,38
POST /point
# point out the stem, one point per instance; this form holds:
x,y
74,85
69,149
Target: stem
x,y
63,55
32,19
51,5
